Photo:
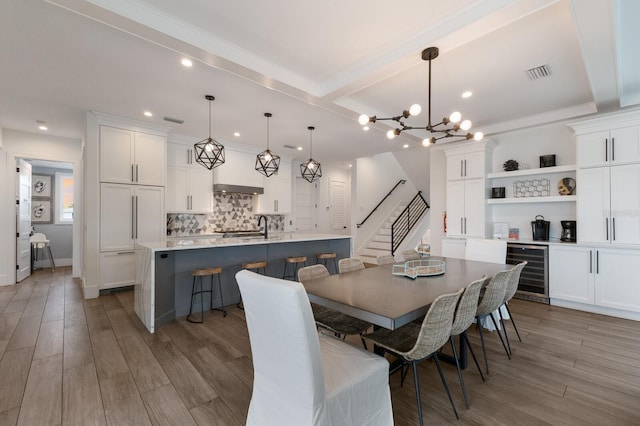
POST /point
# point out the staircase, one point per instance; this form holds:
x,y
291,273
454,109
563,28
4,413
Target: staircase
x,y
380,244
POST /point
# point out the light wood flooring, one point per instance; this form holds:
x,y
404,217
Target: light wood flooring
x,y
66,360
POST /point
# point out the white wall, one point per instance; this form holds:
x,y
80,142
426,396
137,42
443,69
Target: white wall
x,y
36,146
415,163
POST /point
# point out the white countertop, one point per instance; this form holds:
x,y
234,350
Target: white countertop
x,y
204,242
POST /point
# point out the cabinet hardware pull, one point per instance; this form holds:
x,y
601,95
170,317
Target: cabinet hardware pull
x,y
461,175
606,226
613,149
613,223
591,261
126,252
136,217
133,217
187,202
461,228
606,150
136,172
465,226
132,173
465,168
597,261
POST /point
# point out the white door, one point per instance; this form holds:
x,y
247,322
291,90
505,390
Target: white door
x,y
571,273
150,219
593,205
23,218
625,204
338,206
474,199
305,206
455,208
117,221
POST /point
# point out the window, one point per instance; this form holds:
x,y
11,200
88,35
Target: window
x,y
64,198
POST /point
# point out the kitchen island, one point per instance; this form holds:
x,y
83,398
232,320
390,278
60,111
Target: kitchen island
x,y
163,269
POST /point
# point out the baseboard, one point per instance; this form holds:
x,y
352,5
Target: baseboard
x,y
618,313
90,292
44,264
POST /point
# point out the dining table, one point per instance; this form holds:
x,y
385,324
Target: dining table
x,y
385,297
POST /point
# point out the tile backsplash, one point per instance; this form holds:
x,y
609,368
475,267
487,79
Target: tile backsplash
x,y
230,212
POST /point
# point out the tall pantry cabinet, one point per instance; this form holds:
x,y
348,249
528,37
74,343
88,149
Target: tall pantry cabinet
x,y
126,163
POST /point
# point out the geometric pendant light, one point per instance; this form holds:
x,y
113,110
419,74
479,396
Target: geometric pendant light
x,y
209,152
267,162
311,169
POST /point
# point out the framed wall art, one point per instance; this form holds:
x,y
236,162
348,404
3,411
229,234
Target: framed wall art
x,y
41,211
41,186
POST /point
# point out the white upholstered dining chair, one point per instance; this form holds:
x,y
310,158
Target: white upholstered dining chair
x,y
301,377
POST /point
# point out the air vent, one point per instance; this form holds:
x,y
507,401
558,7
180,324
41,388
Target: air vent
x,y
290,146
537,73
174,120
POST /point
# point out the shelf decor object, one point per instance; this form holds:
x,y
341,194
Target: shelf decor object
x,y
531,188
267,162
436,131
420,268
566,186
510,165
311,169
209,152
547,160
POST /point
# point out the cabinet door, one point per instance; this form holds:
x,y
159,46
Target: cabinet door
x,y
177,194
593,205
571,273
625,204
625,145
201,190
617,284
453,248
116,217
150,155
116,155
179,155
593,149
474,165
455,208
117,269
150,217
455,167
238,169
474,208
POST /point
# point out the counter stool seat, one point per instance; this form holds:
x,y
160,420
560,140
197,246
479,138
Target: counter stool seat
x,y
198,275
324,258
295,262
259,267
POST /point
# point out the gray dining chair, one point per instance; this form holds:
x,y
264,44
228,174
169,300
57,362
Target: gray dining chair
x,y
414,343
465,314
512,287
340,324
410,254
350,264
491,300
385,259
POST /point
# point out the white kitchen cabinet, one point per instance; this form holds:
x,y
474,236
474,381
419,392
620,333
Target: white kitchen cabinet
x,y
608,204
238,170
130,213
595,276
453,247
189,185
468,165
277,192
609,147
132,157
117,269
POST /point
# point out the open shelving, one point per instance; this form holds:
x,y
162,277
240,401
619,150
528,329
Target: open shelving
x,y
531,172
569,168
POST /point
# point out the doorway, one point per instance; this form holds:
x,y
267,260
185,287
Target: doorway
x,y
338,206
305,205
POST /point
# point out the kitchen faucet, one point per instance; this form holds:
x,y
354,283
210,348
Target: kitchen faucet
x,y
266,228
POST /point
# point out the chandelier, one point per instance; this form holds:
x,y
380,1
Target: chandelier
x,y
447,128
311,169
267,162
209,152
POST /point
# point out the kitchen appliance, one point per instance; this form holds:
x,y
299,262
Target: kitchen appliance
x,y
540,229
534,279
568,231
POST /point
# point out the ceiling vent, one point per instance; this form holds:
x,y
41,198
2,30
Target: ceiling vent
x,y
290,146
174,120
537,73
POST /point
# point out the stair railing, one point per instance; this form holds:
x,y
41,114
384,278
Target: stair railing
x,y
401,181
407,220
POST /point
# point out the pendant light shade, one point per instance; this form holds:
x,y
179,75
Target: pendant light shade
x,y
209,152
267,162
311,169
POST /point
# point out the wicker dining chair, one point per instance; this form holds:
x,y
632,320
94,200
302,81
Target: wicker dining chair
x,y
512,287
385,259
350,264
411,254
491,300
465,314
414,343
340,324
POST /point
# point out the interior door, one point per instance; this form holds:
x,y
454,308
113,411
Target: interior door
x,y
23,221
305,205
338,205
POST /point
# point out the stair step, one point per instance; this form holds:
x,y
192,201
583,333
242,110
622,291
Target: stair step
x,y
384,231
382,238
368,259
379,245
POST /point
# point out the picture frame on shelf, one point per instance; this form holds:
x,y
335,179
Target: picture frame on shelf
x,y
41,211
41,186
500,230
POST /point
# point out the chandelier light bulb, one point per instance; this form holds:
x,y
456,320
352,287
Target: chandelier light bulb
x,y
465,125
426,141
478,136
415,109
455,117
363,119
391,134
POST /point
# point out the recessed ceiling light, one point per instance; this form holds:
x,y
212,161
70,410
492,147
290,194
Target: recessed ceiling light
x,y
350,165
365,128
406,145
148,114
299,148
467,94
43,127
186,62
236,134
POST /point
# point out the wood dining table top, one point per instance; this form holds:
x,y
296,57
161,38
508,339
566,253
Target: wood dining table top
x,y
378,296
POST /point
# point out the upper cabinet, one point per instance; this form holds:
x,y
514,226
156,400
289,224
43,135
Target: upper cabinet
x,y
238,169
189,185
609,147
132,157
469,165
277,192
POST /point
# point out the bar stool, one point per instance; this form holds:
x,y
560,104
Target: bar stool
x,y
324,258
295,262
200,273
259,268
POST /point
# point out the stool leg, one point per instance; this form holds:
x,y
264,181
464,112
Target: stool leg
x,y
284,274
193,293
335,266
224,313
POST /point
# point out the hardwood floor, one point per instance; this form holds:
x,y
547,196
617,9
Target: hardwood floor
x,y
66,360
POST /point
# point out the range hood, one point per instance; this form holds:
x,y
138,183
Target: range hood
x,y
237,189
